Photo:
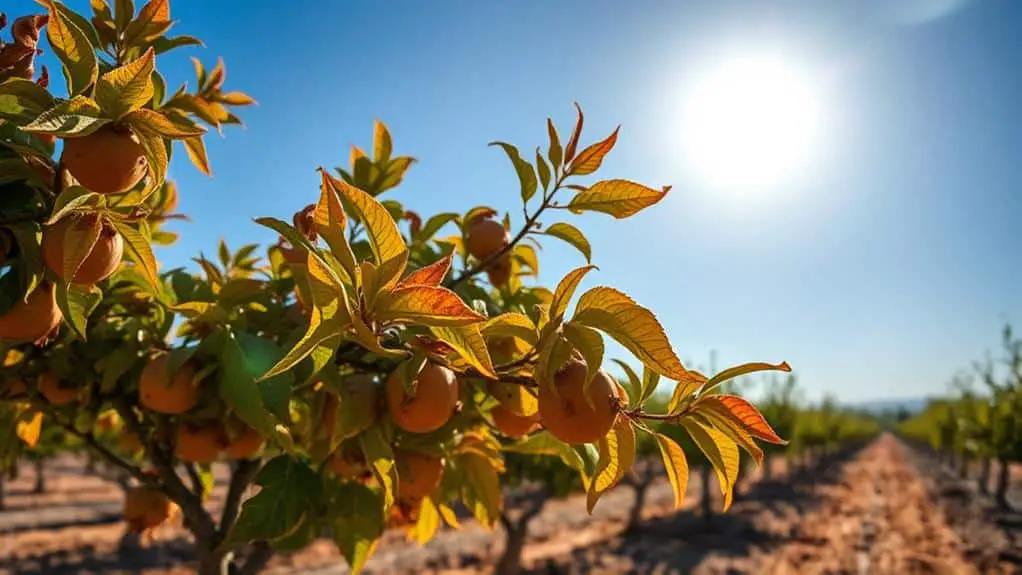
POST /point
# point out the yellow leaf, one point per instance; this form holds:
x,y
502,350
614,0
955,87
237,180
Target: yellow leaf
x,y
633,326
380,458
468,342
382,145
566,289
384,237
744,369
684,389
426,305
138,248
676,465
526,256
589,343
481,489
511,324
79,239
619,198
722,453
126,89
448,515
617,455
573,236
515,397
743,415
589,159
237,99
726,425
569,150
431,275
428,522
156,123
196,149
30,428
72,47
156,157
331,221
554,152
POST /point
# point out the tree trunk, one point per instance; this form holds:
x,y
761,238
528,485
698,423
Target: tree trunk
x,y
1003,480
511,561
635,514
705,498
214,563
40,477
984,476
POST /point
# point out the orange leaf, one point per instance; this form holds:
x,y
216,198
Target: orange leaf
x,y
430,275
619,198
29,428
427,305
569,151
752,420
590,159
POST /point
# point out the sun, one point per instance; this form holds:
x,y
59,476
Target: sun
x,y
751,122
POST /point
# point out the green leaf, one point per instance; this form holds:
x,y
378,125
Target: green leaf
x,y
123,13
28,236
554,153
619,198
77,117
525,171
633,326
566,290
380,458
289,492
357,522
676,465
544,170
650,380
511,324
136,244
77,303
433,225
72,47
243,358
22,101
164,44
634,384
117,363
324,325
573,236
128,88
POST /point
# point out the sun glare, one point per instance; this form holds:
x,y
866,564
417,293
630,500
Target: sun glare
x,y
750,122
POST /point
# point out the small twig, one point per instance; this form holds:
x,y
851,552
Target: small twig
x,y
110,456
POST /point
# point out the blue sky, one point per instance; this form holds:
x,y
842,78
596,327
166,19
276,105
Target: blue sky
x,y
889,264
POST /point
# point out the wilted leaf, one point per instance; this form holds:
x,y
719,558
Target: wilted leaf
x,y
573,236
676,465
632,325
617,455
589,159
72,47
128,88
468,341
619,198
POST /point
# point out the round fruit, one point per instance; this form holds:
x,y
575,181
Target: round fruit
x,y
54,392
33,319
97,266
568,415
146,507
485,237
499,272
347,468
245,445
161,393
510,423
436,394
108,161
418,474
199,444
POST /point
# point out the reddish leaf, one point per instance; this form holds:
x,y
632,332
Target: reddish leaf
x,y
426,305
569,151
589,160
755,424
430,275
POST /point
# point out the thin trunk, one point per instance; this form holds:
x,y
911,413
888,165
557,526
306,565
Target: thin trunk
x,y
1003,480
635,514
984,476
705,498
510,562
40,477
213,563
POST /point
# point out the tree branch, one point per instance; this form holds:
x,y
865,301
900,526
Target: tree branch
x,y
242,477
105,453
193,475
261,555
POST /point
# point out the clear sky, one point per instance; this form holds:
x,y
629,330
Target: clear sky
x,y
885,264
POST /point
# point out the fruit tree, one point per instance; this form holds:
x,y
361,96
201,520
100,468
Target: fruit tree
x,y
361,371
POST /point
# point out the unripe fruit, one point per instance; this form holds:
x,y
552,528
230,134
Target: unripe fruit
x,y
245,445
50,387
510,423
146,507
568,415
499,272
436,394
161,393
199,444
485,237
108,161
418,474
101,262
33,319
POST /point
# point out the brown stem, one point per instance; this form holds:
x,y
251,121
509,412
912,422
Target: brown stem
x,y
105,453
242,477
261,554
193,475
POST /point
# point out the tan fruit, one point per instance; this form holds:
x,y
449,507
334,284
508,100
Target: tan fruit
x,y
499,272
52,389
108,161
511,424
568,415
436,394
199,444
33,319
145,508
245,445
418,474
160,393
101,262
485,237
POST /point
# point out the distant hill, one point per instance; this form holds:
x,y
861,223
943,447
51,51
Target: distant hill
x,y
909,404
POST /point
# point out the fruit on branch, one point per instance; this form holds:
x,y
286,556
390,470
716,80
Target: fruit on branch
x,y
245,445
160,392
512,424
568,416
108,161
100,263
485,237
418,474
436,394
31,319
199,443
55,391
146,507
499,271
